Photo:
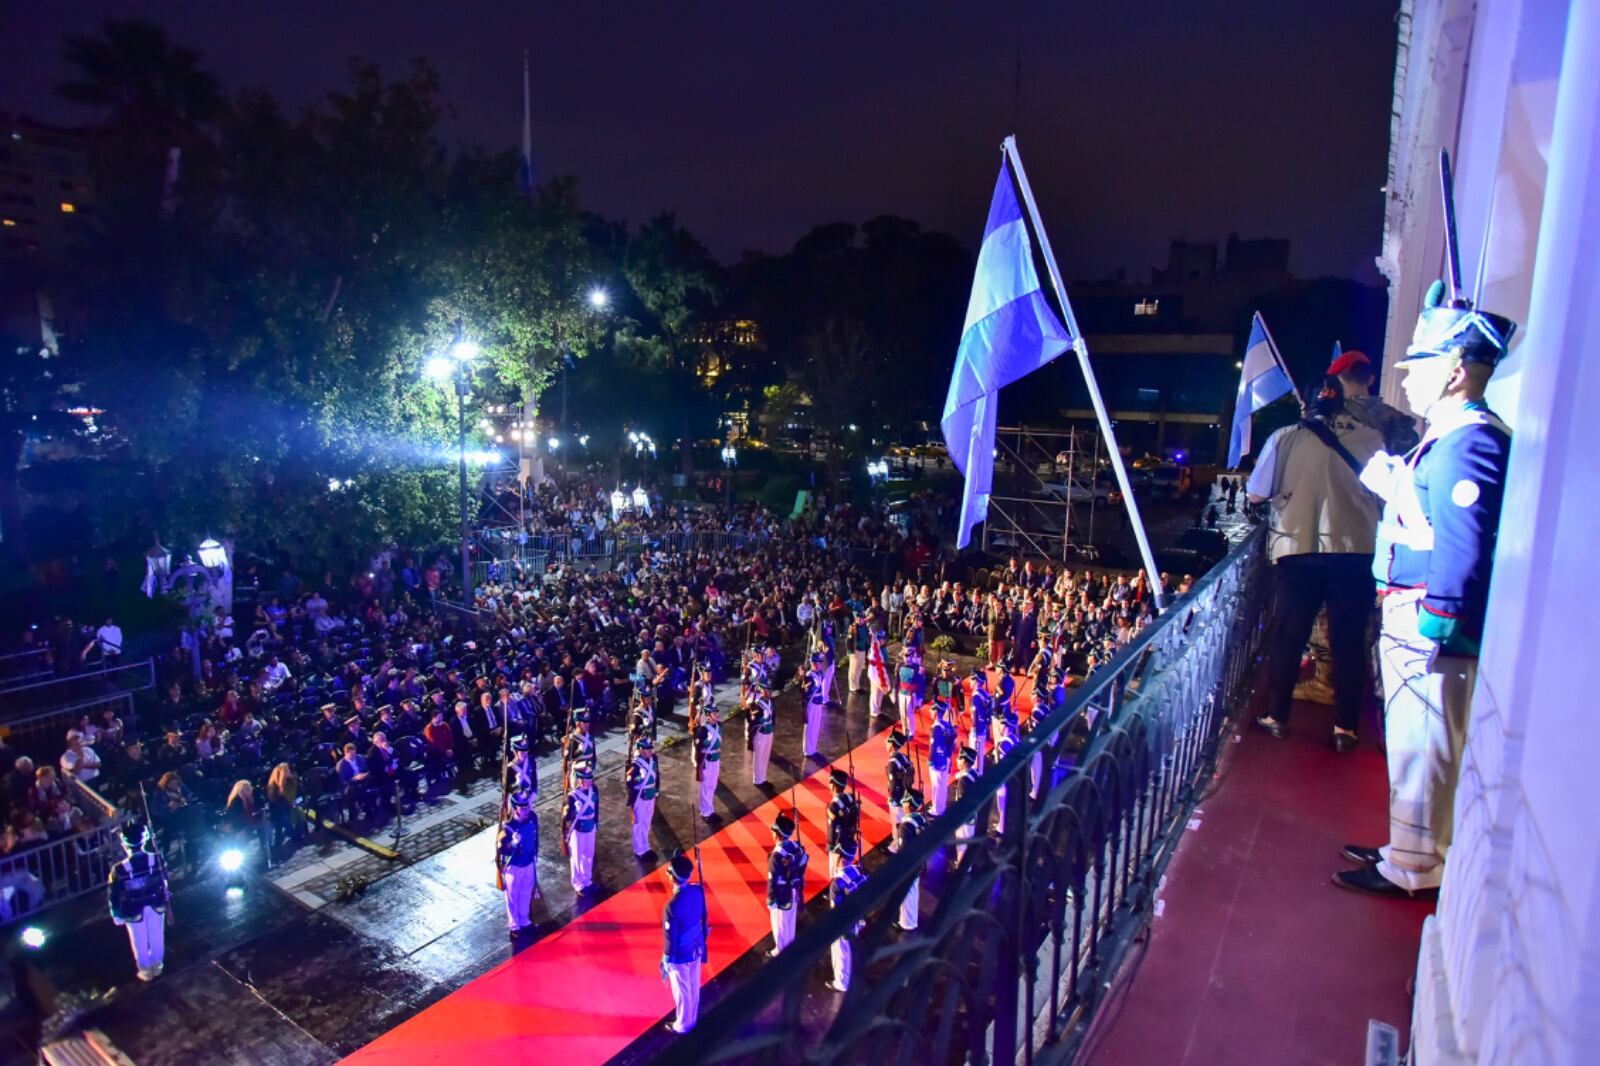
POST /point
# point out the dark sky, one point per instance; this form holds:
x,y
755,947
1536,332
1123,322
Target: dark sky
x,y
1140,120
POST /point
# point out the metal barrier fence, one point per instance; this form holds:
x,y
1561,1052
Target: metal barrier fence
x,y
43,736
56,692
1031,922
40,876
23,667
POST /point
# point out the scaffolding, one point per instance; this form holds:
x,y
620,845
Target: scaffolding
x,y
1050,471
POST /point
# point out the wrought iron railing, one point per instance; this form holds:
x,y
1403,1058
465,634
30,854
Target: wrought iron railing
x,y
1031,921
36,877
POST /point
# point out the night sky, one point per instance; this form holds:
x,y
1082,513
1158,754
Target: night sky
x,y
1139,120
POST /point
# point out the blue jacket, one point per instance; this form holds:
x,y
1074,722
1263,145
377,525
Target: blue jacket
x,y
941,745
683,925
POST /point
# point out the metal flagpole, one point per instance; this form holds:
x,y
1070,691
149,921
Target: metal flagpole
x,y
1081,347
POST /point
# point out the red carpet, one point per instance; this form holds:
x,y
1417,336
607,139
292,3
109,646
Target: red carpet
x,y
529,1010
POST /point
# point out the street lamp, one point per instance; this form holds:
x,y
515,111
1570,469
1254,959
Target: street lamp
x,y
440,368
598,298
730,459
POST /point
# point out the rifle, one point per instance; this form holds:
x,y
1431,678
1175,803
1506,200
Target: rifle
x,y
694,717
705,901
855,789
151,823
505,790
566,779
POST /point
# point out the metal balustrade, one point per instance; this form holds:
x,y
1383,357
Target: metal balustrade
x,y
36,877
1030,922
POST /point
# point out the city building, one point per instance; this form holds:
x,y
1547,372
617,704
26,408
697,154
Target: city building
x,y
47,204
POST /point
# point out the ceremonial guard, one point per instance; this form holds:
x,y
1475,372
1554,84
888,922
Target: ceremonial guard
x,y
708,756
941,756
982,705
844,819
830,656
1010,737
580,742
947,685
139,896
909,689
816,699
878,671
912,822
758,732
522,775
786,881
860,643
684,926
897,772
1005,709
579,819
1434,555
966,776
518,853
847,877
644,777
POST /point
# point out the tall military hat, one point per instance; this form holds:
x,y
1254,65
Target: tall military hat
x,y
681,867
583,770
520,743
521,799
1457,330
134,834
967,755
838,778
912,800
897,739
783,825
580,715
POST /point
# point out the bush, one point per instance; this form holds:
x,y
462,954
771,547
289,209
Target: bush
x,y
944,642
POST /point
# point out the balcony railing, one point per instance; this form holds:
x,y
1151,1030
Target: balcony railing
x,y
36,877
1031,921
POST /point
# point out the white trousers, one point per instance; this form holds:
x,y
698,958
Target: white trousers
x,y
1428,703
521,881
907,703
1036,768
708,786
908,905
782,925
580,852
148,936
876,698
976,741
684,980
939,790
858,670
759,758
840,951
813,728
643,811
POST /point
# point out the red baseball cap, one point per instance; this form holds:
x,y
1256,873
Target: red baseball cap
x,y
1346,362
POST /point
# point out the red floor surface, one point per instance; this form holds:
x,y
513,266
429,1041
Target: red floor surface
x,y
1258,957
529,1009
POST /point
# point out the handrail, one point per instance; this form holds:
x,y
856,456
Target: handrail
x,y
111,681
1138,735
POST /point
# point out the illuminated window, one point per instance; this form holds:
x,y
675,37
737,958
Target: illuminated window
x,y
1147,307
68,209
8,222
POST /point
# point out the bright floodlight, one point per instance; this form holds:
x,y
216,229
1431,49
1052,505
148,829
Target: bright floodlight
x,y
231,860
334,484
234,892
438,367
584,440
555,442
33,938
464,351
212,555
598,298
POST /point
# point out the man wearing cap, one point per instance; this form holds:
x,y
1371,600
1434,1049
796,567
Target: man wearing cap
x,y
1320,539
909,688
941,754
860,643
786,881
844,818
1433,563
708,755
138,896
897,771
982,712
816,699
759,723
911,824
523,773
643,779
1352,373
847,877
580,816
683,933
518,848
967,774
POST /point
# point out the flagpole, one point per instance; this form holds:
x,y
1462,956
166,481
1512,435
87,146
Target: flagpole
x,y
1277,357
1081,347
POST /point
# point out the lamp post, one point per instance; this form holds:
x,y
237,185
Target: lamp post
x,y
462,352
730,459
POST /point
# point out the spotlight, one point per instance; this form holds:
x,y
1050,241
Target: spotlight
x,y
234,892
33,938
555,442
599,298
464,351
438,368
231,860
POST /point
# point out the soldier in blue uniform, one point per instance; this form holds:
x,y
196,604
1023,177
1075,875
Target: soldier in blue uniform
x,y
786,882
708,756
941,756
847,877
897,771
912,823
518,849
1004,704
909,689
580,817
967,774
758,726
1434,556
684,926
644,780
138,895
982,713
816,699
523,773
844,819
860,637
1010,737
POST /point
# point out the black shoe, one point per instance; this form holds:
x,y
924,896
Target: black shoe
x,y
1361,856
1369,880
1344,743
1272,727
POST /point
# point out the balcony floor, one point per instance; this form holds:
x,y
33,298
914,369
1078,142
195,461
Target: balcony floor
x,y
1257,956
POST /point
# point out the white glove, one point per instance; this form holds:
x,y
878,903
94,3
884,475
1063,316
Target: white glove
x,y
1380,473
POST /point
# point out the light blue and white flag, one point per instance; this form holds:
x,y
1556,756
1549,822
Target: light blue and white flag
x,y
1011,330
1262,381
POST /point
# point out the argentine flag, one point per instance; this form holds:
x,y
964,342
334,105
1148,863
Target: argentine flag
x,y
1261,382
1011,331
